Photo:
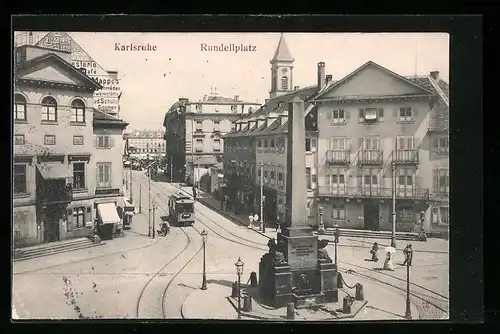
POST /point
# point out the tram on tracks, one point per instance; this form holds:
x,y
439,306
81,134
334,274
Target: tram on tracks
x,y
181,210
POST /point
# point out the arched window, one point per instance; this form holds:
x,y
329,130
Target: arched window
x,y
19,108
78,111
49,109
284,83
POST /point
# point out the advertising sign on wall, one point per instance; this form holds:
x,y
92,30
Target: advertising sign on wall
x,y
108,98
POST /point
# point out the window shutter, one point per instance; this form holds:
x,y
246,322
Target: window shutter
x,y
98,171
361,113
347,114
88,216
96,142
435,143
381,112
435,180
414,112
396,112
329,115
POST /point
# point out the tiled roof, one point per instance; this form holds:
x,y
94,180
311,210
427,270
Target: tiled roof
x,y
101,117
282,52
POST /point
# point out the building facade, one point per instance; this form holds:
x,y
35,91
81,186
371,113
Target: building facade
x,y
141,144
368,135
55,149
194,133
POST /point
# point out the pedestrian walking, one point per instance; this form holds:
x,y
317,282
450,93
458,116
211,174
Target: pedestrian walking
x,y
277,223
194,192
388,265
250,221
408,259
373,251
256,218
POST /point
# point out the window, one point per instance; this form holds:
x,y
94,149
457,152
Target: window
x,y
308,144
216,126
405,143
280,176
49,139
198,108
78,217
103,142
77,111
441,144
338,211
77,140
19,108
103,174
371,115
337,116
265,171
20,185
273,173
405,180
217,145
443,177
405,114
308,178
371,143
19,140
370,180
272,142
444,215
79,175
233,125
49,109
199,125
405,213
259,143
265,142
338,143
284,83
199,145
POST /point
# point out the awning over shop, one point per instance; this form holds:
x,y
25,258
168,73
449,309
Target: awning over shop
x,y
53,171
108,214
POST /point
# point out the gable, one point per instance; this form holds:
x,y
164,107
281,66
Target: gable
x,y
373,81
50,71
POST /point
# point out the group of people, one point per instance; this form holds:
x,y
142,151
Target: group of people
x,y
388,264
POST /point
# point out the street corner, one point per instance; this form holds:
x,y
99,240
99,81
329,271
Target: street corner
x,y
383,303
211,303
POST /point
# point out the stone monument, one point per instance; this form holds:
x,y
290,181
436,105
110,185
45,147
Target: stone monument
x,y
296,269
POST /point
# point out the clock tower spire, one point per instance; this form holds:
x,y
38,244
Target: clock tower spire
x,y
281,70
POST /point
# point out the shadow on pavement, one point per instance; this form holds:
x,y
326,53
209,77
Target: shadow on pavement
x,y
222,282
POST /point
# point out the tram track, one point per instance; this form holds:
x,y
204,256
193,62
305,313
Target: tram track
x,y
437,300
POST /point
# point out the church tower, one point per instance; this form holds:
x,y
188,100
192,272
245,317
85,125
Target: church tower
x,y
281,70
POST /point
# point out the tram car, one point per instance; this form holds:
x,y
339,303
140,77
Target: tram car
x,y
181,210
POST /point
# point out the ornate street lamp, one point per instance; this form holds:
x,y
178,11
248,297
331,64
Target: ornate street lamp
x,y
321,227
204,235
408,254
336,240
239,271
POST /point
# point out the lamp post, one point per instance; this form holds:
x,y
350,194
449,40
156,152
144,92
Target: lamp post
x,y
204,281
408,254
393,235
149,200
321,227
336,240
154,227
239,272
262,228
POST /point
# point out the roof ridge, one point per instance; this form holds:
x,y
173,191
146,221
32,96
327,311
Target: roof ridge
x,y
439,91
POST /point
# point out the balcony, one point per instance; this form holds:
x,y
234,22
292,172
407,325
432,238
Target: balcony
x,y
370,157
338,157
55,193
373,192
405,157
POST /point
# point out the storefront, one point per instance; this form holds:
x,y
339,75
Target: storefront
x,y
108,220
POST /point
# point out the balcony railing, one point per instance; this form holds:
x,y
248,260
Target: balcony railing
x,y
370,157
56,195
338,157
376,192
404,157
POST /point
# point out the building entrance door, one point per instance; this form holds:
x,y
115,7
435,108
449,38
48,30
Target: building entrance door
x,y
371,215
50,228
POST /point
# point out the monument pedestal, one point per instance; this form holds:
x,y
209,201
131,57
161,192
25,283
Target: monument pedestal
x,y
328,275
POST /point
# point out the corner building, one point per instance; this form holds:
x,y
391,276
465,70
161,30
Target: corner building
x,y
367,134
59,171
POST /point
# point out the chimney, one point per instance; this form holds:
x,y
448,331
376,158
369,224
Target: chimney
x,y
435,75
328,78
321,75
30,38
266,100
236,97
295,87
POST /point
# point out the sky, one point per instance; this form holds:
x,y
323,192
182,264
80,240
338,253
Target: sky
x,y
151,81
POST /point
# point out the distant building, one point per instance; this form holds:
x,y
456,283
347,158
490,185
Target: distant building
x,y
194,130
358,129
67,157
141,144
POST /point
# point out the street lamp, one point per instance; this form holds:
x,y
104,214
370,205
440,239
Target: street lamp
x,y
262,223
204,238
321,227
393,235
239,271
336,240
408,254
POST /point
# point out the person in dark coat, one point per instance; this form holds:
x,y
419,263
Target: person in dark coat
x,y
373,251
194,192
